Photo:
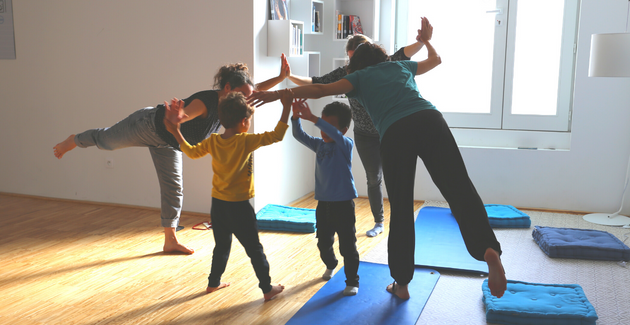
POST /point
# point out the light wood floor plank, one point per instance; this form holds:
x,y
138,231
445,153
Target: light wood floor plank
x,y
66,262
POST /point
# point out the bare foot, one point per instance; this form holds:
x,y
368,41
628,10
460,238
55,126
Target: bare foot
x,y
177,247
496,274
171,244
274,291
64,146
221,286
400,291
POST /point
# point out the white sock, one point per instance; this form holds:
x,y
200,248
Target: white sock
x,y
350,291
328,274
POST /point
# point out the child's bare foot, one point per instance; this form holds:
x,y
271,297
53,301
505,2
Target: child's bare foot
x,y
171,244
274,291
496,274
64,146
221,286
400,291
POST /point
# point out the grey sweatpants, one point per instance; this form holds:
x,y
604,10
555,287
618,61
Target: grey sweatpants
x,y
138,130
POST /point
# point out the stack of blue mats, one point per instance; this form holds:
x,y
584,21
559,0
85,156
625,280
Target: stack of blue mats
x,y
580,243
507,216
283,218
536,303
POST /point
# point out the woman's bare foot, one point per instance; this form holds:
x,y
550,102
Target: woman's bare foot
x,y
496,274
171,244
221,286
64,146
400,291
274,291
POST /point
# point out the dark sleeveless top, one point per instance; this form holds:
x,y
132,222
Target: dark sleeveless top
x,y
197,129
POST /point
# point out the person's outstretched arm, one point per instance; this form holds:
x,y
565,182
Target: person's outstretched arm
x,y
285,71
300,80
342,86
433,59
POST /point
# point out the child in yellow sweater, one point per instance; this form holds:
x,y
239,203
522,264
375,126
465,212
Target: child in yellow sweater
x,y
233,183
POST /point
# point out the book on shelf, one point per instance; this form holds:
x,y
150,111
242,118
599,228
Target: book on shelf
x,y
339,29
317,22
355,25
313,19
279,9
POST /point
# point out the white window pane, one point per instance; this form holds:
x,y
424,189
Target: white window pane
x,y
464,38
537,57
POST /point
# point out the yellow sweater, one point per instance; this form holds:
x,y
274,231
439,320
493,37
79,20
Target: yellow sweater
x,y
232,161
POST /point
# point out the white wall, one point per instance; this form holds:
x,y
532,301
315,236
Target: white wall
x,y
283,172
87,64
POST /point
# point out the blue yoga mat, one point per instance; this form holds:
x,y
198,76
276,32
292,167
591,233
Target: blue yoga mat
x,y
439,243
373,304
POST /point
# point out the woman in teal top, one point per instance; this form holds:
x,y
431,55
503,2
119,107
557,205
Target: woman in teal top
x,y
411,127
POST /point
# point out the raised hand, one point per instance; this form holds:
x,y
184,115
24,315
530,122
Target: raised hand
x,y
285,69
426,32
286,97
302,110
174,112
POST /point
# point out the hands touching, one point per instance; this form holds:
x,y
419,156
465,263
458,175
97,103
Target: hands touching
x,y
426,32
286,96
174,114
285,68
259,98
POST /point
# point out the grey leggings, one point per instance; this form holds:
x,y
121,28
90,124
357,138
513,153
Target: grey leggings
x,y
138,130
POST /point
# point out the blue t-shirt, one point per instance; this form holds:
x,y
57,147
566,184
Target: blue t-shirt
x,y
333,163
388,91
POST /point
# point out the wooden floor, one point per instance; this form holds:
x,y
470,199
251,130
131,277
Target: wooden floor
x,y
64,262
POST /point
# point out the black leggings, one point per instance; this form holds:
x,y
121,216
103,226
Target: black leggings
x,y
236,218
425,134
338,217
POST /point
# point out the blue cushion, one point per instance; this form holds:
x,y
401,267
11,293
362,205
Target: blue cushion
x,y
537,303
580,243
507,216
279,217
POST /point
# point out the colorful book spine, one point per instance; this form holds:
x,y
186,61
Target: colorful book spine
x,y
339,28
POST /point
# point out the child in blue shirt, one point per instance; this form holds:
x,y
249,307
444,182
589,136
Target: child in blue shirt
x,y
334,186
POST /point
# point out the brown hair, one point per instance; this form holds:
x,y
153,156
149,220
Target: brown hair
x,y
366,55
234,74
341,111
233,108
355,40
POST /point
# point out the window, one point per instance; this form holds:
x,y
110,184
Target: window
x,y
507,64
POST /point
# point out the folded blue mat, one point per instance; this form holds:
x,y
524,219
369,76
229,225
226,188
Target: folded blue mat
x,y
580,243
507,216
372,305
283,218
536,303
440,245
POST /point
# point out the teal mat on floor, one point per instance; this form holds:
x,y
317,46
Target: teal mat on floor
x,y
439,243
373,304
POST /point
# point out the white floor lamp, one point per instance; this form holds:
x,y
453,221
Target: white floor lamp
x,y
610,57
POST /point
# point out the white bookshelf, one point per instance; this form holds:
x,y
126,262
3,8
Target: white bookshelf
x,y
285,36
303,10
368,10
